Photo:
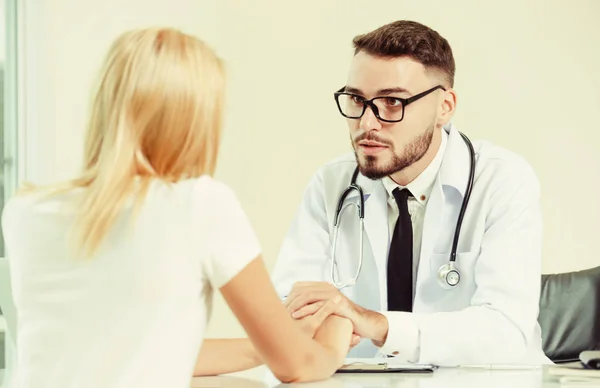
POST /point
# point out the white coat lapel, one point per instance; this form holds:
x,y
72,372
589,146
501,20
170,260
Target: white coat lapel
x,y
454,173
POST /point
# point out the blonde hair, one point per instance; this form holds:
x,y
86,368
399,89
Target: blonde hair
x,y
156,114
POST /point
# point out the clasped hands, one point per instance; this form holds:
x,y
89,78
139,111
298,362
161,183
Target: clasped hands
x,y
312,302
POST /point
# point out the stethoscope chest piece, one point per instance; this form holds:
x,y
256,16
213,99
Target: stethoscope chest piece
x,y
448,276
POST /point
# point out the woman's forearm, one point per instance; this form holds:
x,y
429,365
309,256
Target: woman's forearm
x,y
335,334
321,357
220,356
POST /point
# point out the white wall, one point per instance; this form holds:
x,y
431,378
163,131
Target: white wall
x,y
69,39
526,78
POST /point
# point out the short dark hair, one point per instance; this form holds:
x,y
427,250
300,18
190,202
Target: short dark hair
x,y
410,39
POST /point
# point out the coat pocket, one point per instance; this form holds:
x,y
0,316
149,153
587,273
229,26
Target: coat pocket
x,y
458,297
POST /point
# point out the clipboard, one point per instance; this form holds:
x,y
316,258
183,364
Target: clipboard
x,y
385,367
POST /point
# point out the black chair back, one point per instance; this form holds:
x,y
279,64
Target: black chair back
x,y
570,314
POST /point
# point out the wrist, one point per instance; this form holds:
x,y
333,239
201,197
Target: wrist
x,y
252,354
374,325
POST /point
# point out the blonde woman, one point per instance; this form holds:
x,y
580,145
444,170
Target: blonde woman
x,y
113,271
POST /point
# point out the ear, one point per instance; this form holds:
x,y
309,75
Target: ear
x,y
447,107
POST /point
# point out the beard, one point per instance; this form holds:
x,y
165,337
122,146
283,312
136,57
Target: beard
x,y
413,152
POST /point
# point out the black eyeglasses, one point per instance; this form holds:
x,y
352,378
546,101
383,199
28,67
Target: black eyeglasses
x,y
388,109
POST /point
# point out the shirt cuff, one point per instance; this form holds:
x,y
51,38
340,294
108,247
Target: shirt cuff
x,y
403,338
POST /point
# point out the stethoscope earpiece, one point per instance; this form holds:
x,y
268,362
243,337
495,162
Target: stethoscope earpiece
x,y
448,276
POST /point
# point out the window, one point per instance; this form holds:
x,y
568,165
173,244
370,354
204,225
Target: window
x,y
3,17
8,103
8,120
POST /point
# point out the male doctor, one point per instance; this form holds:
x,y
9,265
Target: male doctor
x,y
414,169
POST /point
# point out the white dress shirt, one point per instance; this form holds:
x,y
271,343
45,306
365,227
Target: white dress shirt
x,y
420,188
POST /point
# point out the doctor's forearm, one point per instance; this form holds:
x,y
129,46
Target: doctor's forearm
x,y
219,356
375,325
475,335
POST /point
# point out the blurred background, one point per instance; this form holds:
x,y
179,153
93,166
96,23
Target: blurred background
x,y
527,79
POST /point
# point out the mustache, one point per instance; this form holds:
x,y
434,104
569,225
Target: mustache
x,y
371,137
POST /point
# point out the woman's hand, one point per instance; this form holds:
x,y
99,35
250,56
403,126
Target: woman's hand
x,y
355,341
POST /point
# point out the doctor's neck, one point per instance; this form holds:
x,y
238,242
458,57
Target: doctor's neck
x,y
410,173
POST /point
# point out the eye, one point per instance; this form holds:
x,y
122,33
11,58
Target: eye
x,y
392,102
357,99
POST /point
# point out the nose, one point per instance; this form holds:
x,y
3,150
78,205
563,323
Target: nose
x,y
369,121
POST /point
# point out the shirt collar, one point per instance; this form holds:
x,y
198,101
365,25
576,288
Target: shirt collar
x,y
422,185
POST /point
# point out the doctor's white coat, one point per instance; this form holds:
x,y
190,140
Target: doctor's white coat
x,y
491,316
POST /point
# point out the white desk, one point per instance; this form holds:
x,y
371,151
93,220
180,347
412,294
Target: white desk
x,y
441,378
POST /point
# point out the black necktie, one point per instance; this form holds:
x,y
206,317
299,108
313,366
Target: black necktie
x,y
399,267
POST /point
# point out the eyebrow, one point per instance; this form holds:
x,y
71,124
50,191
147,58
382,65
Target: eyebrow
x,y
380,92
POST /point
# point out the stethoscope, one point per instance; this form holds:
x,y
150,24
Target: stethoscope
x,y
448,275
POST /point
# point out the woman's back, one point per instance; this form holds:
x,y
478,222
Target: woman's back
x,y
113,289
134,313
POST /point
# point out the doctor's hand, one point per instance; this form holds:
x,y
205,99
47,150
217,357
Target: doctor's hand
x,y
308,298
310,324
